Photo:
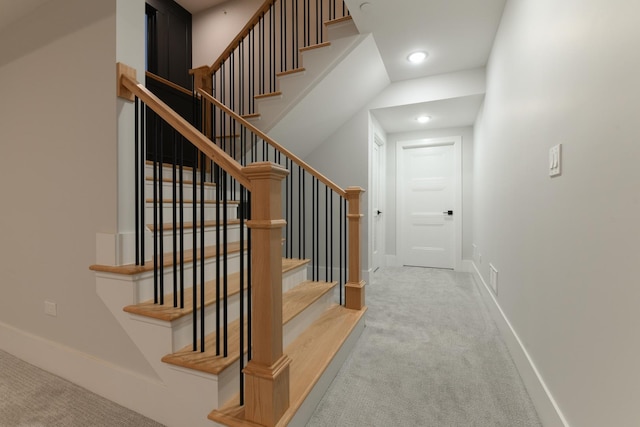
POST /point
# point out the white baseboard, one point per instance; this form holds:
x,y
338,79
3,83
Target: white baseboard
x,y
546,406
139,393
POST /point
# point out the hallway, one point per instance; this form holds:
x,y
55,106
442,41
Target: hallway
x,y
430,356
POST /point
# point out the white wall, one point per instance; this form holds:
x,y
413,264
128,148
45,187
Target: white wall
x,y
213,29
566,248
344,158
467,183
58,176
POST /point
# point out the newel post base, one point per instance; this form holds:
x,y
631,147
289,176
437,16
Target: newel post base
x,y
267,374
354,289
267,391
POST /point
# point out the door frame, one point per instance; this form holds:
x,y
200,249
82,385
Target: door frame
x,y
378,141
456,141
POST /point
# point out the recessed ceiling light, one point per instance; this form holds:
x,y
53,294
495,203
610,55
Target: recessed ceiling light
x,y
423,119
365,7
417,57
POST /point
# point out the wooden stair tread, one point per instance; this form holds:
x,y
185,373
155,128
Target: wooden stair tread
x,y
310,356
250,116
188,225
267,95
169,313
187,182
291,263
339,20
314,46
289,72
130,269
293,302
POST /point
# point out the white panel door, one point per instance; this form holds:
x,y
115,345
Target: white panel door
x,y
426,178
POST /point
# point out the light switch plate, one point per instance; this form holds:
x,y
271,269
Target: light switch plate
x,y
555,160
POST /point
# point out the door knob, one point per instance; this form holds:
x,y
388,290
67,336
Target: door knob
x,y
379,211
448,213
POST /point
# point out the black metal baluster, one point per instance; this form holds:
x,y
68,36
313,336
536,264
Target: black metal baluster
x,y
218,236
194,252
181,222
296,36
346,243
174,217
291,164
287,218
249,263
252,71
340,250
326,233
283,35
203,172
332,233
304,23
304,217
161,214
225,283
136,179
300,201
261,60
242,276
272,71
317,230
156,281
314,257
143,177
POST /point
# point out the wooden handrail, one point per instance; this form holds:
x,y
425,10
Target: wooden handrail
x,y
127,80
168,83
326,181
241,35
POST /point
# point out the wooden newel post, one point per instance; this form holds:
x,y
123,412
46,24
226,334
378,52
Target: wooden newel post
x,y
354,289
202,80
267,374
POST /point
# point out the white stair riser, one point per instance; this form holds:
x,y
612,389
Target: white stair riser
x,y
182,329
233,235
293,278
209,212
144,284
293,328
187,191
167,172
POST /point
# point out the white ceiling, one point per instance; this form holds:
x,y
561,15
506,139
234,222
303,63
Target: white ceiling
x,y
445,113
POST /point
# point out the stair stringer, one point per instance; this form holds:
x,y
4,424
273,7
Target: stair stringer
x,y
294,87
157,338
194,393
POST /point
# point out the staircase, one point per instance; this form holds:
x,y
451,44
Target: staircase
x,y
246,296
318,333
